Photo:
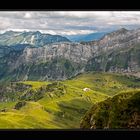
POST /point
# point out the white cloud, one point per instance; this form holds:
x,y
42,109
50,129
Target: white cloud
x,y
75,32
56,32
27,15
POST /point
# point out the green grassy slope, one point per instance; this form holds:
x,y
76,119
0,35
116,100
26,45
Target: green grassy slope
x,y
121,111
62,104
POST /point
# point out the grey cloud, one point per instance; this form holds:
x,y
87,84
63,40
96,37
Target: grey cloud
x,y
64,22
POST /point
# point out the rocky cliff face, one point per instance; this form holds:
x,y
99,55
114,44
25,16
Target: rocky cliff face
x,y
118,51
72,51
54,61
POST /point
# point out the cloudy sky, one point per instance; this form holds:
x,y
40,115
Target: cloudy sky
x,y
68,22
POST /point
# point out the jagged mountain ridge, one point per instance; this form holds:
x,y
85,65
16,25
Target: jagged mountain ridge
x,y
117,51
37,39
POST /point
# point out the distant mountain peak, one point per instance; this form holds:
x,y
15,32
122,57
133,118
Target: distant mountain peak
x,y
10,32
36,32
116,33
122,30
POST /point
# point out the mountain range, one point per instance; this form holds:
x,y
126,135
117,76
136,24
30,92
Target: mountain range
x,y
27,56
37,39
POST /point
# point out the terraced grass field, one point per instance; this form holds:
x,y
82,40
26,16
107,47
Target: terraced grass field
x,y
62,104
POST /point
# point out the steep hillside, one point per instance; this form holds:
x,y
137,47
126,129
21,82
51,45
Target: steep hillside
x,y
51,62
124,60
121,111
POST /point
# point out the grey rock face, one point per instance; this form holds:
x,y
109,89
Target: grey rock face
x,y
74,52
